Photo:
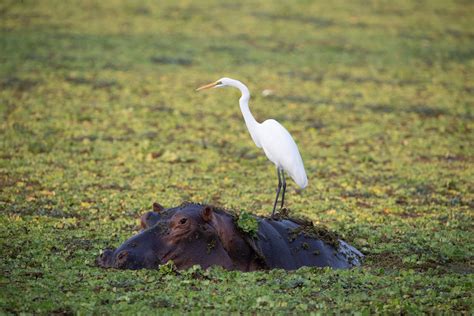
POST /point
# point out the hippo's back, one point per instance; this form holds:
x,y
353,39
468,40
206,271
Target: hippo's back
x,y
285,244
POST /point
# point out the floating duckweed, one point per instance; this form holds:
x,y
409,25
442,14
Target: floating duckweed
x,y
317,232
248,223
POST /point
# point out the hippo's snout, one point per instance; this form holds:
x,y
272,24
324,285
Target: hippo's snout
x,y
105,260
125,259
110,259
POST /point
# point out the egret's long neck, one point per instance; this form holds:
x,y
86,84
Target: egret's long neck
x,y
250,121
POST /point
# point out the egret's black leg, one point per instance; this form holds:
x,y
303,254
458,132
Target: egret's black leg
x,y
284,188
278,192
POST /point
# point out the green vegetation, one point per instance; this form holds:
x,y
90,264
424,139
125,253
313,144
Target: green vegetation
x,y
247,223
99,119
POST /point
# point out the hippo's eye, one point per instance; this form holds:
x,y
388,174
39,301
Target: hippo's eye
x,y
183,221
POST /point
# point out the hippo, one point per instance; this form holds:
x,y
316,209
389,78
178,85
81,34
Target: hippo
x,y
204,235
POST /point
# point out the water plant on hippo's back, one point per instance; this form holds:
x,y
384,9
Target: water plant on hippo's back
x,y
195,234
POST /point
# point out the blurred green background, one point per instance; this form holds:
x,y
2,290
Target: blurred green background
x,y
100,120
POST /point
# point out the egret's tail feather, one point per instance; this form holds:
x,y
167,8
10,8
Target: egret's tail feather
x,y
300,179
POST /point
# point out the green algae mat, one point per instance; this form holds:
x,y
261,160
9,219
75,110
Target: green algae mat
x,y
99,119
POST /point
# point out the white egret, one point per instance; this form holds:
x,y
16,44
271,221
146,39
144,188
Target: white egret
x,y
276,141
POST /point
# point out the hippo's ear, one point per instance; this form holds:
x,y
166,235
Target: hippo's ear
x,y
206,213
157,207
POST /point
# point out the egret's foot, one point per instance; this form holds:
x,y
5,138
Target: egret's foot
x,y
273,214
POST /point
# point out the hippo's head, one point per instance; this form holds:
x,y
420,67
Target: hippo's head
x,y
194,234
184,235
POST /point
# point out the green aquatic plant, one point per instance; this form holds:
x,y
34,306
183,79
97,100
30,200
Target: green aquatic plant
x,y
248,223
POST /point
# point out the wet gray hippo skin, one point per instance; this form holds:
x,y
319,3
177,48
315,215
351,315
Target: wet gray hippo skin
x,y
194,234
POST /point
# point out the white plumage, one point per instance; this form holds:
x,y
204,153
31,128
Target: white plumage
x,y
281,149
272,137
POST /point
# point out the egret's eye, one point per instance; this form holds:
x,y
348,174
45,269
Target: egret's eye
x,y
219,83
183,221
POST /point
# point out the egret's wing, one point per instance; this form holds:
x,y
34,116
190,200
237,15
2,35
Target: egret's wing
x,y
282,150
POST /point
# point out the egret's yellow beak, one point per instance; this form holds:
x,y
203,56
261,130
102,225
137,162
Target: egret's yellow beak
x,y
208,86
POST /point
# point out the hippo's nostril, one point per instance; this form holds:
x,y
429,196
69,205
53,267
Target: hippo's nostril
x,y
122,255
122,259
